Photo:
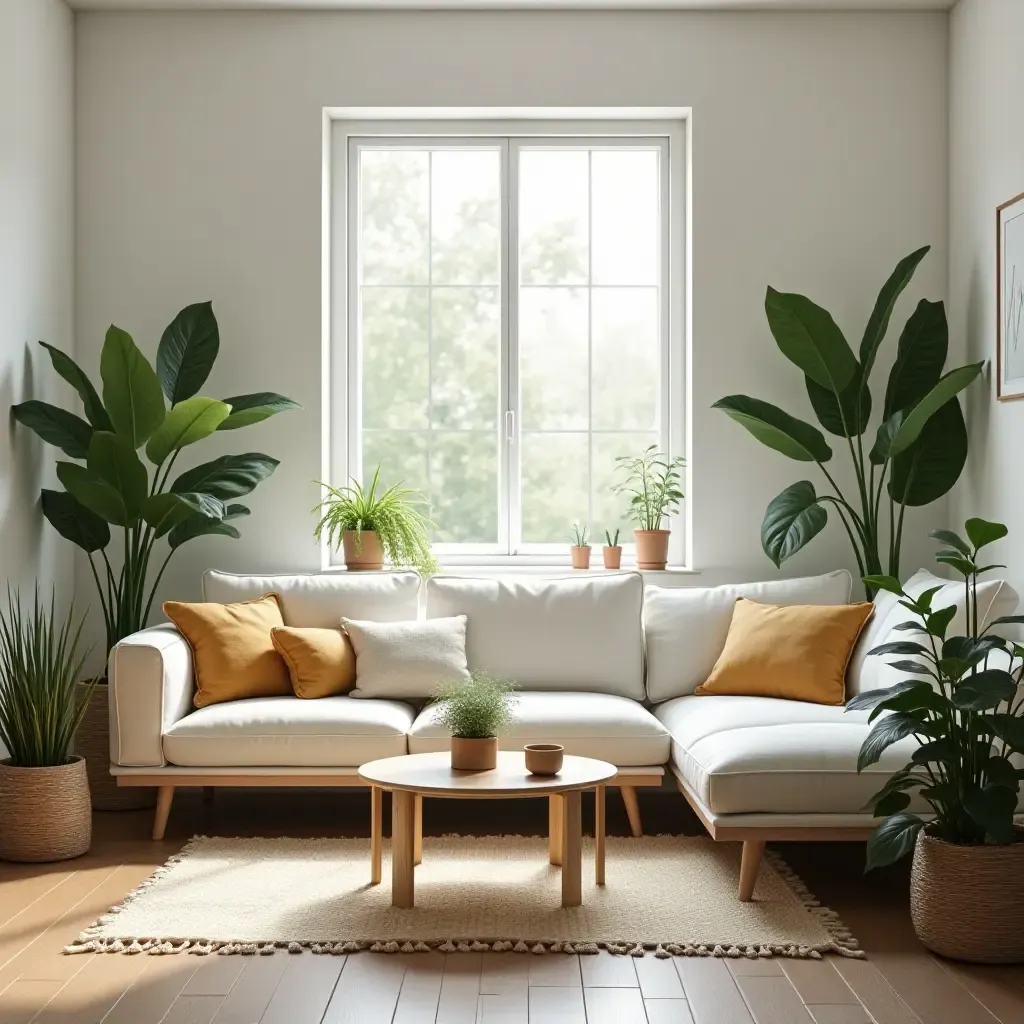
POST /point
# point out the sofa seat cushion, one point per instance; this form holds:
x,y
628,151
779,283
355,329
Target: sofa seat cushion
x,y
332,732
749,755
600,725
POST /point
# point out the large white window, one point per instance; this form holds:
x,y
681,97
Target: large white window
x,y
505,325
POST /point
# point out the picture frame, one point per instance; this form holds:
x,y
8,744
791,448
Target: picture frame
x,y
1010,299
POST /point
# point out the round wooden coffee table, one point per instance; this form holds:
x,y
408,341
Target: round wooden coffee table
x,y
411,777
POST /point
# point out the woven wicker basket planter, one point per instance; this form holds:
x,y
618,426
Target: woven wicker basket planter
x,y
967,902
46,812
92,741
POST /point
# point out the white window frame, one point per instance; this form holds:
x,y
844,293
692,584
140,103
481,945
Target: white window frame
x,y
344,133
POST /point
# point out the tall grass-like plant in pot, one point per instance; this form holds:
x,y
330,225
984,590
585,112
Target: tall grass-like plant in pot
x,y
962,700
580,551
612,551
475,712
652,482
45,811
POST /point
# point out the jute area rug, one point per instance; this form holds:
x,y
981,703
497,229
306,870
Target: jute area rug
x,y
666,895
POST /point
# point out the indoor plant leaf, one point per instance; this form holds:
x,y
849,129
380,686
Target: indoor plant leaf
x,y
776,429
984,691
112,459
884,733
920,357
164,511
56,426
187,422
1009,728
131,391
792,519
930,467
74,522
187,351
981,532
845,414
881,450
249,409
199,526
992,807
954,540
893,839
230,476
878,322
949,386
94,493
76,377
871,698
882,582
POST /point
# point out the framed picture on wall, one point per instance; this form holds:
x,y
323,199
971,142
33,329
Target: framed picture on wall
x,y
1010,298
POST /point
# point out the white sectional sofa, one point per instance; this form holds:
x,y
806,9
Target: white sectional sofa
x,y
604,666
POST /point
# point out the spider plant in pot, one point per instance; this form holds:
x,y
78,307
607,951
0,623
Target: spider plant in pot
x,y
44,789
474,712
612,551
652,482
373,523
963,703
580,546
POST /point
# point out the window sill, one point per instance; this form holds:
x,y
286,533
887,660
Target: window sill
x,y
545,569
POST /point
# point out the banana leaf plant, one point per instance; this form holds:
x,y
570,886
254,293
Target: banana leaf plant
x,y
108,485
920,444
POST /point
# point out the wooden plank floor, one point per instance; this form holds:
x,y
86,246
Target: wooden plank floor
x,y
42,907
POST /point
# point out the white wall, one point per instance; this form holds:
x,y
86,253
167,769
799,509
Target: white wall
x,y
986,169
819,150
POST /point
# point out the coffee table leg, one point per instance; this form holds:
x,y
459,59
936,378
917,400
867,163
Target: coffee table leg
x,y
599,835
555,829
403,841
417,853
572,849
376,832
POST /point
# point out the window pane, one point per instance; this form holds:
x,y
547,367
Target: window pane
x,y
625,216
553,361
401,455
394,218
626,358
554,486
465,357
394,332
610,508
553,234
465,216
464,487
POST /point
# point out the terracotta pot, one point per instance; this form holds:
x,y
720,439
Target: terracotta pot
x,y
581,556
544,758
92,742
364,555
46,812
612,556
474,755
651,548
967,902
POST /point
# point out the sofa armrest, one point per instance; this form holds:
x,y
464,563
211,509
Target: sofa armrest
x,y
151,688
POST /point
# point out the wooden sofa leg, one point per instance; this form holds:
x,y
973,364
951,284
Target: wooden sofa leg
x,y
164,797
750,864
632,810
417,848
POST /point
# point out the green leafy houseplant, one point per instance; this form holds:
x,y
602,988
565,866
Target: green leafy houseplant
x,y
477,709
920,445
108,484
652,482
580,536
393,514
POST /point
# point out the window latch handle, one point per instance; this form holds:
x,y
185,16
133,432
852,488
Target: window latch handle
x,y
510,426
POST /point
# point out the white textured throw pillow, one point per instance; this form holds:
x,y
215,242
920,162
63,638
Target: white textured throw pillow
x,y
407,659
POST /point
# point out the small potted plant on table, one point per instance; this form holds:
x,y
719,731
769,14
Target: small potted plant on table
x,y
580,547
612,551
652,482
474,712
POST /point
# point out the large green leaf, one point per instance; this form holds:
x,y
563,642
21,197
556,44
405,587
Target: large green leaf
x,y
113,460
74,522
199,526
981,532
930,467
992,808
131,391
878,322
230,476
948,387
187,351
76,377
95,494
872,698
792,519
249,409
1009,728
881,450
56,426
919,358
777,429
845,414
985,691
165,511
189,421
808,336
884,733
894,838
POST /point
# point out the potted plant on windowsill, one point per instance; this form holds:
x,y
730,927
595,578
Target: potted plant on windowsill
x,y
652,483
612,551
372,523
474,712
963,701
580,547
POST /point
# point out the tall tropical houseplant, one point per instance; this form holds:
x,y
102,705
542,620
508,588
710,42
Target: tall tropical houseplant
x,y
109,485
920,445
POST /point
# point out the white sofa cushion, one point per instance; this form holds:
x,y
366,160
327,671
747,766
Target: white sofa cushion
x,y
321,599
686,627
748,755
569,633
334,732
600,725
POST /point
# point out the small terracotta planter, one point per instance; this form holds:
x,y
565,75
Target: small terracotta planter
x,y
581,556
46,815
544,758
651,548
474,755
612,556
362,551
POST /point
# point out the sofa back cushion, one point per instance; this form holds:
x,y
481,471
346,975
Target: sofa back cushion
x,y
686,627
570,633
322,599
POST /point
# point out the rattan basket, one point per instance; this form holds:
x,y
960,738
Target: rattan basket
x,y
967,902
46,812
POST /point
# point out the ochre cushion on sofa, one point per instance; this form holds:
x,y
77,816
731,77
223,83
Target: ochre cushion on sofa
x,y
232,649
796,652
321,662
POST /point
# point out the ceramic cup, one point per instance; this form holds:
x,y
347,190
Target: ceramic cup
x,y
544,758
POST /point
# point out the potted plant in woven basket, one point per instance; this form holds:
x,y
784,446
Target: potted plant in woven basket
x,y
44,790
652,483
962,700
474,712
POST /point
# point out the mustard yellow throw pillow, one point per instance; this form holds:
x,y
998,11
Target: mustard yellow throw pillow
x,y
796,652
232,648
321,662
